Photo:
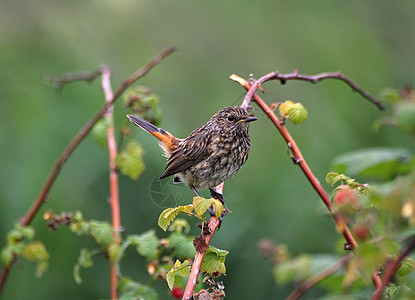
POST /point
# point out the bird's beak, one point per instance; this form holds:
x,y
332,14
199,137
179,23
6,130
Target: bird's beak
x,y
250,119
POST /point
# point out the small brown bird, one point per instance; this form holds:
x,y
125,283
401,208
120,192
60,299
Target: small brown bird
x,y
210,154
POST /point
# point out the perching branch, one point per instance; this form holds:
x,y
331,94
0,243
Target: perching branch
x,y
114,186
194,272
297,156
313,79
391,269
27,219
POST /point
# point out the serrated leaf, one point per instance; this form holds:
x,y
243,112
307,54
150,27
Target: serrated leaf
x,y
170,278
379,163
102,233
182,244
218,207
407,267
169,214
297,113
130,161
166,217
201,205
184,269
100,132
285,107
212,263
146,244
35,251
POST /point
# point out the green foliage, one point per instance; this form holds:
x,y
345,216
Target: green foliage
x,y
214,261
295,269
296,112
143,102
20,242
182,244
376,163
403,109
130,289
201,205
100,132
179,269
168,215
84,261
146,244
130,161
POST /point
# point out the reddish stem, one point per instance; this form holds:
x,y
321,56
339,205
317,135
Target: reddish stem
x,y
114,186
27,219
298,157
197,262
391,269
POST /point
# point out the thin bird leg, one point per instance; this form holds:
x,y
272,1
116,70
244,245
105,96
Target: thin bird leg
x,y
194,190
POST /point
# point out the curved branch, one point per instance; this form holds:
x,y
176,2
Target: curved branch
x,y
298,157
313,79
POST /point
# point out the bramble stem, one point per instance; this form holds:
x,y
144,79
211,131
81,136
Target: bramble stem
x,y
27,219
114,186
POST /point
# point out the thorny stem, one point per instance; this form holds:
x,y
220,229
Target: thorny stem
x,y
298,157
27,219
312,281
114,187
197,262
391,269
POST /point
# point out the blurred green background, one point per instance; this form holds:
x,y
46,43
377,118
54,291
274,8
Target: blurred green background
x,y
371,42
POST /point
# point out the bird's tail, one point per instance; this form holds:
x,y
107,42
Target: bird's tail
x,y
168,141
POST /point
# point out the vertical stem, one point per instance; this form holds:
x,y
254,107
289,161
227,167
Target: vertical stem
x,y
114,190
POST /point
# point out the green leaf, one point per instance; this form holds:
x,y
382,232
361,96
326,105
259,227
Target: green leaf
x,y
297,113
405,116
214,261
169,214
218,207
130,161
379,163
332,178
170,278
6,256
130,290
298,268
84,261
390,95
180,225
102,232
100,132
146,244
182,244
201,205
407,267
35,251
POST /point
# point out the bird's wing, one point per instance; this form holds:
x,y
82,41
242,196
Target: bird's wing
x,y
191,151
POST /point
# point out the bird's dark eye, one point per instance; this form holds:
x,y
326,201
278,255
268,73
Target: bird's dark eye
x,y
231,118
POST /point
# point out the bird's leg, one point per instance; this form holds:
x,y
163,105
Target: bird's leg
x,y
216,195
194,190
